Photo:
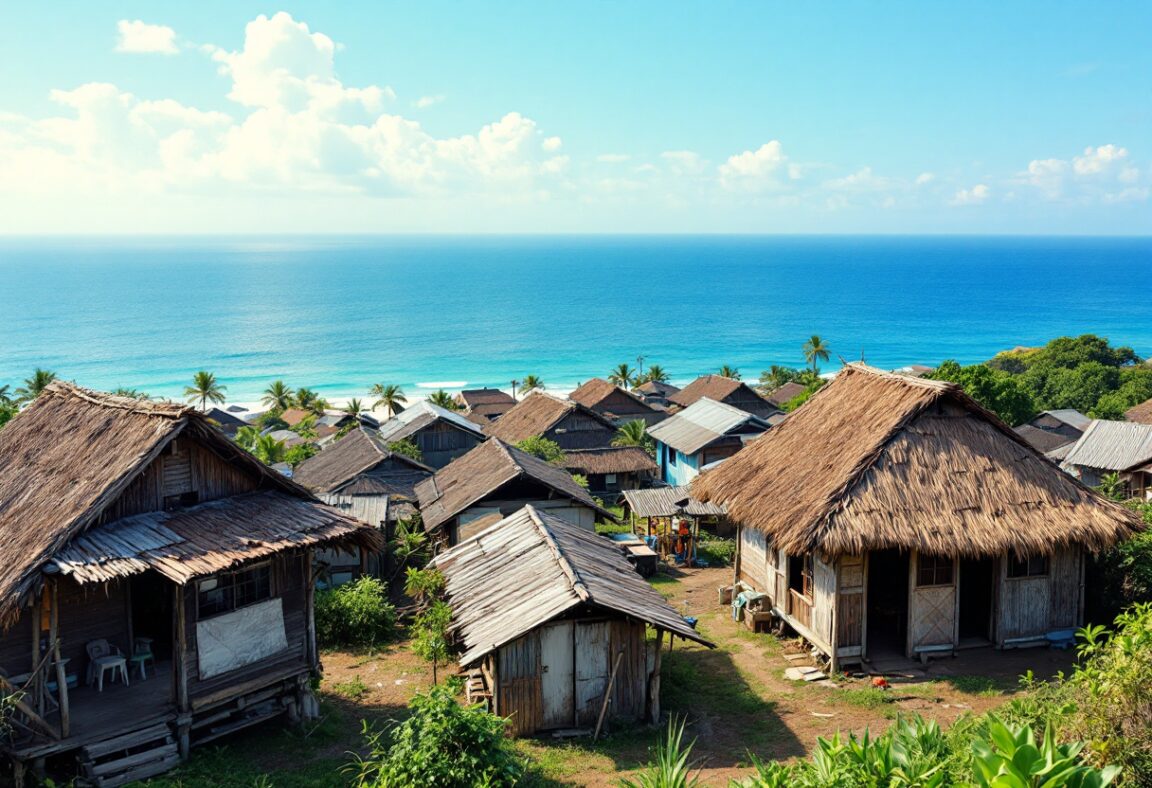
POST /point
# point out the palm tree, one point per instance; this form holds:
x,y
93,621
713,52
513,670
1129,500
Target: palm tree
x,y
246,437
124,391
5,397
622,375
729,371
353,408
34,385
206,389
269,450
443,399
278,396
307,399
634,433
390,396
515,383
656,374
815,351
531,382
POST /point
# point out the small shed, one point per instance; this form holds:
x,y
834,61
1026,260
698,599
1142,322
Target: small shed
x,y
556,619
703,433
656,514
491,482
441,435
612,469
895,515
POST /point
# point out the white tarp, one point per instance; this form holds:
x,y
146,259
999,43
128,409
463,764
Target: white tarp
x,y
239,638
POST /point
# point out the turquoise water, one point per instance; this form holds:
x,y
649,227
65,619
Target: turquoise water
x,y
340,314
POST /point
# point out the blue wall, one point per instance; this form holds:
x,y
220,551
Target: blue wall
x,y
685,470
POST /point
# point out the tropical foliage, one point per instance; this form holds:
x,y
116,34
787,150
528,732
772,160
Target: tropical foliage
x,y
623,375
34,385
355,614
307,399
1002,393
635,433
269,450
443,399
204,389
776,376
390,396
247,437
354,407
278,396
815,351
131,393
671,766
655,374
406,448
728,371
530,383
441,743
545,449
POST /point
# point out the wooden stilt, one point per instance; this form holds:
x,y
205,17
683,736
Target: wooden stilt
x,y
653,704
310,613
180,650
61,673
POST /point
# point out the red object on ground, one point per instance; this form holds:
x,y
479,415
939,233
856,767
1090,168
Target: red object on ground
x,y
880,681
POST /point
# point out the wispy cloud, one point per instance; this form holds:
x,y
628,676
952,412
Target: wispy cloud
x,y
139,37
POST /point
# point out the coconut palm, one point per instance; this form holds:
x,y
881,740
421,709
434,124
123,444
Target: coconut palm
x,y
269,450
307,399
34,385
246,437
278,396
205,389
5,397
815,351
390,396
531,382
655,374
443,399
353,408
634,433
124,391
622,375
515,383
729,371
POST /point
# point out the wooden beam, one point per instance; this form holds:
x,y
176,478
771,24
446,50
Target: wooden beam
x,y
310,612
180,652
653,700
607,695
61,674
36,697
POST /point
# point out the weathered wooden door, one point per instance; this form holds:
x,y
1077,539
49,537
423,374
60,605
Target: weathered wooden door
x,y
823,599
592,667
931,602
557,667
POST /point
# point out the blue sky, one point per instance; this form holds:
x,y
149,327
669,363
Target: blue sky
x,y
216,117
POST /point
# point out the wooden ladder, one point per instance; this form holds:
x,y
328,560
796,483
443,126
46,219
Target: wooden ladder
x,y
129,757
476,688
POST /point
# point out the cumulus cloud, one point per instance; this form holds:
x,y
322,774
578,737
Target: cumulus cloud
x,y
974,196
925,178
765,169
139,37
1099,174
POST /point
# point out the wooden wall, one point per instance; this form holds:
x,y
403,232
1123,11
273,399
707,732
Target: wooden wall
x,y
578,430
1032,606
440,443
851,602
752,567
188,467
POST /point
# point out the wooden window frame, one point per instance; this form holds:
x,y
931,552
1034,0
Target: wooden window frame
x,y
1029,570
234,579
937,564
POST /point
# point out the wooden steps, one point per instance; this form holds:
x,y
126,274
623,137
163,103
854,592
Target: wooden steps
x,y
132,756
476,688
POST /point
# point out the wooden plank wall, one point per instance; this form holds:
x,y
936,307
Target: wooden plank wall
x,y
519,692
90,613
631,679
16,645
1031,606
850,605
823,599
189,463
754,568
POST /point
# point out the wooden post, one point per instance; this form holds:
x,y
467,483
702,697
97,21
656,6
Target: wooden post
x,y
180,655
61,674
310,613
653,704
607,695
36,695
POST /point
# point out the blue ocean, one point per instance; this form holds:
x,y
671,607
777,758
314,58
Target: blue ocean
x,y
339,314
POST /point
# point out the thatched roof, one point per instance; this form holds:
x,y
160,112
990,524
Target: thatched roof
x,y
656,388
880,460
532,567
489,403
1112,446
357,452
597,393
1141,413
483,471
614,459
423,414
69,455
536,414
788,391
727,390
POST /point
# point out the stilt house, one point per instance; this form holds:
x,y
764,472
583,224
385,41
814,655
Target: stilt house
x,y
554,618
892,514
145,553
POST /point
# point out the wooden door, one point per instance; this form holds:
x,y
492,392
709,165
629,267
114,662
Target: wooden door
x,y
592,667
931,602
557,674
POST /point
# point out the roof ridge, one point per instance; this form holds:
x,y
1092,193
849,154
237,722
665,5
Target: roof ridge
x,y
909,380
145,407
574,577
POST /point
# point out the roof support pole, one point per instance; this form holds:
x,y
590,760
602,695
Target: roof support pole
x,y
653,700
310,612
54,639
180,642
36,691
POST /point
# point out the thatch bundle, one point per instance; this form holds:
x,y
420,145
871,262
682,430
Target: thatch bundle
x,y
877,460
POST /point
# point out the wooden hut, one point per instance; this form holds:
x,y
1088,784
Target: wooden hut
x,y
655,393
615,403
892,514
484,405
1120,447
703,433
491,482
727,390
441,435
555,619
1141,413
138,527
613,469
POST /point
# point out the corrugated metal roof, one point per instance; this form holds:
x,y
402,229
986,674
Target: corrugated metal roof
x,y
1071,417
1112,446
530,568
701,423
668,502
206,539
414,418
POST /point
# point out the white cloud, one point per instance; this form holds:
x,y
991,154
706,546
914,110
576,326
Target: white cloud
x,y
552,144
974,196
1100,174
139,37
925,178
765,169
1098,160
427,101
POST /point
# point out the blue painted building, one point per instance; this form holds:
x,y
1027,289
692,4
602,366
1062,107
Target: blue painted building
x,y
703,433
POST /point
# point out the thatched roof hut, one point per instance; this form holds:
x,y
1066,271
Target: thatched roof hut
x,y
877,460
570,424
730,391
358,453
489,404
1141,413
615,402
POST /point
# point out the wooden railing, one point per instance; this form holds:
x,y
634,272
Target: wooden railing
x,y
800,608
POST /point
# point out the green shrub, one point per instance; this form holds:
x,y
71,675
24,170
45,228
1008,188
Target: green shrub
x,y
717,551
671,767
356,614
1122,575
442,744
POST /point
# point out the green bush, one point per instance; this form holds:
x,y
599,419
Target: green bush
x,y
671,767
356,614
717,551
442,744
1122,575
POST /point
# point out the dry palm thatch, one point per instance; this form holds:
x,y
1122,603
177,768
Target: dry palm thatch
x,y
877,460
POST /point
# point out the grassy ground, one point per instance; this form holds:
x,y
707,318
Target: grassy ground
x,y
735,699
